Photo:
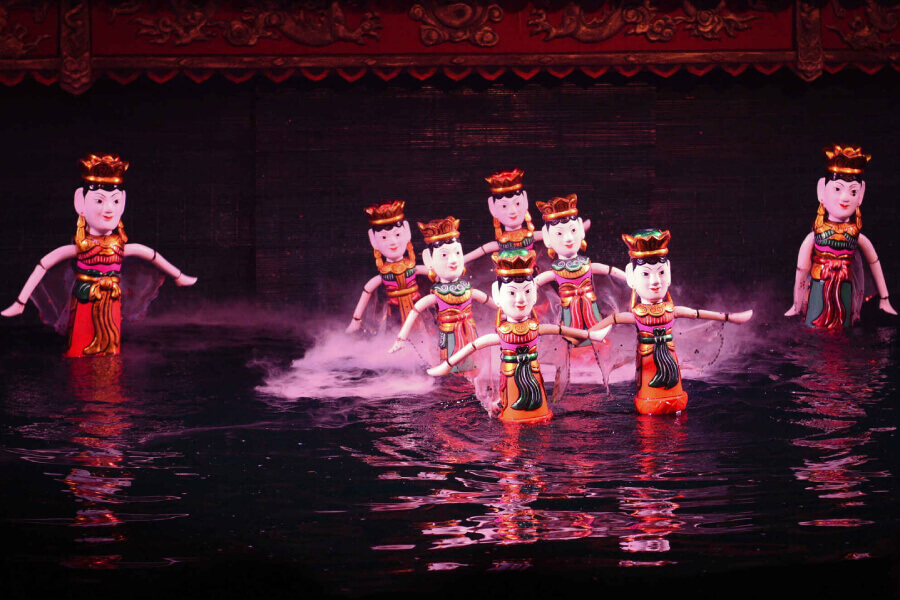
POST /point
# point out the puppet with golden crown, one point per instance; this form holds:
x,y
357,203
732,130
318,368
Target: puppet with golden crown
x,y
99,249
508,204
653,313
829,281
453,296
390,236
522,395
563,234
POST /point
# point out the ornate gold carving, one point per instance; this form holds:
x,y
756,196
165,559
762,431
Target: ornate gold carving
x,y
75,46
810,56
13,39
864,33
457,22
310,23
640,20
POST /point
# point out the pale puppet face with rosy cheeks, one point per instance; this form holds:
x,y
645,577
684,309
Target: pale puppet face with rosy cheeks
x,y
515,299
650,281
510,211
840,198
391,242
102,209
446,261
565,238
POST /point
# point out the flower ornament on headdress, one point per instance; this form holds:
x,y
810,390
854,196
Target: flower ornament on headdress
x,y
846,160
505,182
514,263
107,169
647,243
440,230
385,213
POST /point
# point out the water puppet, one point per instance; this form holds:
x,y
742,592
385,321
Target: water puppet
x,y
649,275
829,283
563,235
453,296
395,259
522,396
100,246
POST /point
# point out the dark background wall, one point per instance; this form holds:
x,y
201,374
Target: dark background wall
x,y
259,188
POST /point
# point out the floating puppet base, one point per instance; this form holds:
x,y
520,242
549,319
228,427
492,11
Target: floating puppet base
x,y
657,400
509,393
540,415
83,338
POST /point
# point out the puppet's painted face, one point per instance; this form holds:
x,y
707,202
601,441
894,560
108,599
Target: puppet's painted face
x,y
102,209
841,198
446,261
565,238
510,211
516,300
391,242
650,281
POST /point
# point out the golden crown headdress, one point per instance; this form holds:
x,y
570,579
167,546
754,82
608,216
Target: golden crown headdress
x,y
647,243
505,182
846,160
514,263
385,213
559,208
439,230
105,169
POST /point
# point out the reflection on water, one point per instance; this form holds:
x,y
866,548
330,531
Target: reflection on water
x,y
181,452
844,378
101,465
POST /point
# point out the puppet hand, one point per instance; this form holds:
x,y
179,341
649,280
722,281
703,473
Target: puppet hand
x,y
741,317
353,326
397,345
884,305
597,335
792,311
185,280
441,369
16,309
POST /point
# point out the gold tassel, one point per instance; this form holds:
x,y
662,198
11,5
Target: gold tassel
x,y
122,232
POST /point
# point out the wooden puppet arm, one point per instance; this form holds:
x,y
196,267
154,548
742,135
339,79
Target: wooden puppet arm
x,y
421,270
479,252
155,259
691,313
544,278
419,306
868,250
480,296
804,263
51,259
578,334
370,287
601,269
601,329
491,339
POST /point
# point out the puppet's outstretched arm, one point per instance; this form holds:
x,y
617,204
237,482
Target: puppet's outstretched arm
x,y
804,263
49,260
692,313
868,250
601,269
599,331
491,339
419,306
481,251
480,296
370,287
156,259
